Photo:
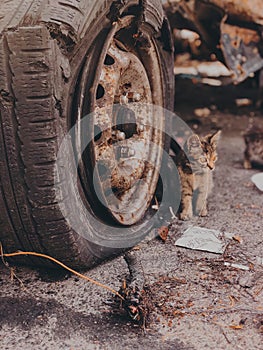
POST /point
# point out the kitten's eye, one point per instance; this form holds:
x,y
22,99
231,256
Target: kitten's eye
x,y
214,159
203,159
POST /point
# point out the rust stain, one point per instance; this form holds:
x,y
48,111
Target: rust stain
x,y
237,34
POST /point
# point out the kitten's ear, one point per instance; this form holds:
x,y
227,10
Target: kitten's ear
x,y
214,138
193,141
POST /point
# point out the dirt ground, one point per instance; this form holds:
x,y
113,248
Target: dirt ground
x,y
198,302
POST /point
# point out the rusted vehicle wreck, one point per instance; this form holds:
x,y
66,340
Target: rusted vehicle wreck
x,y
232,29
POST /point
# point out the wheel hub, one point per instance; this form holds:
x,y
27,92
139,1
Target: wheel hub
x,y
126,141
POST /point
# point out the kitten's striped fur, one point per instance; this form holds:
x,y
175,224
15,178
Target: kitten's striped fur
x,y
195,165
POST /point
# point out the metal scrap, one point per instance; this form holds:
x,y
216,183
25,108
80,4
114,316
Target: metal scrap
x,y
240,47
231,29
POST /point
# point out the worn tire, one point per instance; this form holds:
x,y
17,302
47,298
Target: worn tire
x,y
42,49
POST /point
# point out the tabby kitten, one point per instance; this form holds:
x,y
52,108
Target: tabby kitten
x,y
253,154
195,165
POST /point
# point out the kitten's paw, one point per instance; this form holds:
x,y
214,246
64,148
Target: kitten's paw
x,y
204,212
185,216
247,164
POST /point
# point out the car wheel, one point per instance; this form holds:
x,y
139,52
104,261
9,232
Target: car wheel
x,y
59,64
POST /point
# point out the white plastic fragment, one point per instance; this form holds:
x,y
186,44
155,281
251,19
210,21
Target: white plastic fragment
x,y
199,238
172,213
257,179
237,266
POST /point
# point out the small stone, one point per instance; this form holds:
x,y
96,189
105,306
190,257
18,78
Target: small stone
x,y
246,281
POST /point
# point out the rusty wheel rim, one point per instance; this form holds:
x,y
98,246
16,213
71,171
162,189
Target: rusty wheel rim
x,y
124,157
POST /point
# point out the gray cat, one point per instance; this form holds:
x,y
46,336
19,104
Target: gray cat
x,y
253,155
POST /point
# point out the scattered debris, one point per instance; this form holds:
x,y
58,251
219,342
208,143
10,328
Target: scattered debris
x,y
228,235
156,205
135,302
199,238
237,327
163,233
237,266
257,179
204,277
232,300
238,239
243,102
202,112
246,281
172,213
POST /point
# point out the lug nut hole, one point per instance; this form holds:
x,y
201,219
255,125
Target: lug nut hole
x,y
109,61
97,133
100,92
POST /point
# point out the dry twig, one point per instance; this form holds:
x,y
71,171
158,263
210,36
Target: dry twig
x,y
3,255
